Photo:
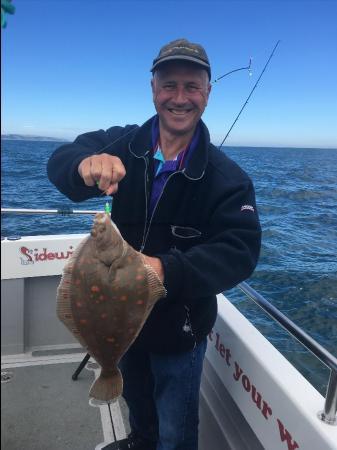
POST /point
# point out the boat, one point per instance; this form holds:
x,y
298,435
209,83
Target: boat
x,y
251,396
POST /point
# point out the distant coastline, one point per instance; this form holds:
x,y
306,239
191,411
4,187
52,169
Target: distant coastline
x,y
27,137
227,147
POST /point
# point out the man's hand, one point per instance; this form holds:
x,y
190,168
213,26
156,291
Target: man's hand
x,y
156,264
104,169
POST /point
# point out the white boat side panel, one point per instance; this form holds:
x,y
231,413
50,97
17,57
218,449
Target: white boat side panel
x,y
279,404
34,256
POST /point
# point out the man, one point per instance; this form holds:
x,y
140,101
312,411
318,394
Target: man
x,y
191,211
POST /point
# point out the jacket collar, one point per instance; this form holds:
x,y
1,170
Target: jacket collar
x,y
141,146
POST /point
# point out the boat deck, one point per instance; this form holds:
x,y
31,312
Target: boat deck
x,y
43,408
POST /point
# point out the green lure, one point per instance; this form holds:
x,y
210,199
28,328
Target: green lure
x,y
107,208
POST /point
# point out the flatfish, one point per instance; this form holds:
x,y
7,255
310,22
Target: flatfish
x,y
106,293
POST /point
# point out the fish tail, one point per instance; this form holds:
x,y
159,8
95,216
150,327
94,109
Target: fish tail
x,y
107,387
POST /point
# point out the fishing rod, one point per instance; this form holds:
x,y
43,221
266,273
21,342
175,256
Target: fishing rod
x,y
250,94
107,207
235,70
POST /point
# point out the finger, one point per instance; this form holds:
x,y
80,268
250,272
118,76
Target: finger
x,y
113,168
84,169
106,175
96,167
112,189
118,170
112,171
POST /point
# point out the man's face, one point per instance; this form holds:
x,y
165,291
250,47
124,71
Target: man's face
x,y
180,95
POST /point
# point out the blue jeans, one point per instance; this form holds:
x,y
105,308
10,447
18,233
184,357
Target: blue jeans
x,y
162,393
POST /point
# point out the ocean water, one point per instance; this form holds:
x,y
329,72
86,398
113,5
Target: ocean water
x,y
296,191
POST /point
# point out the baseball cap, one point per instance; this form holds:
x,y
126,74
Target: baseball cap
x,y
183,50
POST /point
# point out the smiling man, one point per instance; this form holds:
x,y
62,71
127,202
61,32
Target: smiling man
x,y
191,211
180,95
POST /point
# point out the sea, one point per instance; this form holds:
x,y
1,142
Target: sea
x,y
296,192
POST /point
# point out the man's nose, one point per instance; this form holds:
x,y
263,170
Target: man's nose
x,y
180,95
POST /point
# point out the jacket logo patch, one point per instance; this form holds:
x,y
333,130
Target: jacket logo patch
x,y
247,207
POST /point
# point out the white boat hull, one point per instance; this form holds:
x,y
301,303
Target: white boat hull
x,y
251,396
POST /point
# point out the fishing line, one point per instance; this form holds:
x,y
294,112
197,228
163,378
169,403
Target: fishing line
x,y
112,424
251,92
107,207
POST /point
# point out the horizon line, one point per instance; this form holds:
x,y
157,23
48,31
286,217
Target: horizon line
x,y
6,136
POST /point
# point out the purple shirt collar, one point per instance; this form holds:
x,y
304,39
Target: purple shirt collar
x,y
167,167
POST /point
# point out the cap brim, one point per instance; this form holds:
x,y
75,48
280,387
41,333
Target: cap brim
x,y
203,64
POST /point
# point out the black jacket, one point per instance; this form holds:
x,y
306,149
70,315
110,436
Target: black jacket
x,y
205,227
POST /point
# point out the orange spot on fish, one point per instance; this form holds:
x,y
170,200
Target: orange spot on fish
x,y
83,321
110,339
123,298
140,302
104,316
94,289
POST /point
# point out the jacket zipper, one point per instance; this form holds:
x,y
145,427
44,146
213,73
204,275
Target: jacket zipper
x,y
148,226
146,181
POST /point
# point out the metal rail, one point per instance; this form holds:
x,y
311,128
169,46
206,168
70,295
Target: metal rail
x,y
62,212
328,415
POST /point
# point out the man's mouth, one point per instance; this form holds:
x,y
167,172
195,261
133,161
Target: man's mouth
x,y
179,112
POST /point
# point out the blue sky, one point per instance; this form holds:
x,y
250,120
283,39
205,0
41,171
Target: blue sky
x,y
70,66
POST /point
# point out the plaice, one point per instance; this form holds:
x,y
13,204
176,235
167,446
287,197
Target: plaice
x,y
106,293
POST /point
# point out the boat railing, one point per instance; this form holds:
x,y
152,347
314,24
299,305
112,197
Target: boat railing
x,y
328,414
62,212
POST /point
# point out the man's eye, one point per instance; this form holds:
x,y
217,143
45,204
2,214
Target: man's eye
x,y
169,87
192,88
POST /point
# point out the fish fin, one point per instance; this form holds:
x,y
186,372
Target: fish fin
x,y
156,287
107,387
63,303
63,307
